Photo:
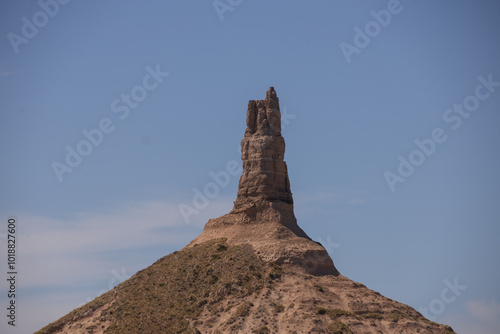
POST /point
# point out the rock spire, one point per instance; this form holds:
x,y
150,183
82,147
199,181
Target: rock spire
x,y
262,216
265,175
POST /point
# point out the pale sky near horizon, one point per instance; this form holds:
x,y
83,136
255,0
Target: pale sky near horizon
x,y
391,121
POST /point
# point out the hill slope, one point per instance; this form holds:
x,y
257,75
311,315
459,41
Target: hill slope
x,y
217,288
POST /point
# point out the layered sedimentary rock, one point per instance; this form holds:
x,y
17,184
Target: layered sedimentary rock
x,y
263,211
265,175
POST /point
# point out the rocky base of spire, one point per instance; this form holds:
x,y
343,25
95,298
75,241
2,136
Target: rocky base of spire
x,y
274,235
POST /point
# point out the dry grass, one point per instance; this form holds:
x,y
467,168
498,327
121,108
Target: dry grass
x,y
166,296
228,289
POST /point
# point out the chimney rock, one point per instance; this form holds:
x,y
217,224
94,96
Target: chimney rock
x,y
262,216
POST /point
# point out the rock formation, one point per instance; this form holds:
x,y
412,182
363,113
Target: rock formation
x,y
265,176
263,211
251,271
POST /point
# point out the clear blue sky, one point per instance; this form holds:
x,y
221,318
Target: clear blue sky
x,y
351,115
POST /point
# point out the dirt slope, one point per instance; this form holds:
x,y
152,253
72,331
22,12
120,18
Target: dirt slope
x,y
217,288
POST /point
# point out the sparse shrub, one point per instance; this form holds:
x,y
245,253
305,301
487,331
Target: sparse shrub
x,y
373,316
278,307
258,275
338,327
335,313
319,287
321,310
394,317
221,248
243,310
276,271
214,279
261,330
235,327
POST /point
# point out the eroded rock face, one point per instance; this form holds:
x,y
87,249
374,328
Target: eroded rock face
x,y
265,175
262,215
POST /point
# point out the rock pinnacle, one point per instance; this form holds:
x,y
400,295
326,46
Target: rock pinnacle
x,y
265,175
263,216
